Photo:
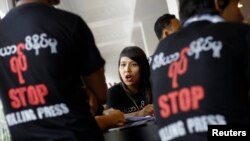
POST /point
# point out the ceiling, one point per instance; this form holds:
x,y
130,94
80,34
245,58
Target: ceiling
x,y
111,21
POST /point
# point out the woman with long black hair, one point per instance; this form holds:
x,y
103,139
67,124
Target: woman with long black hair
x,y
133,95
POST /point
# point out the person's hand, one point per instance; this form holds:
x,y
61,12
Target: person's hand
x,y
147,110
116,116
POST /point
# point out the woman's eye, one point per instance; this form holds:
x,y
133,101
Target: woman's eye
x,y
134,64
122,65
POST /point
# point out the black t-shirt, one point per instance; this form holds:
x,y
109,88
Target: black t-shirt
x,y
200,76
43,53
127,103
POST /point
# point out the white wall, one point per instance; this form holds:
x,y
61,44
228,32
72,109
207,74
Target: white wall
x,y
5,6
173,7
146,13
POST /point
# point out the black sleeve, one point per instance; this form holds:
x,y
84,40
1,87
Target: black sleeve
x,y
248,57
87,54
114,97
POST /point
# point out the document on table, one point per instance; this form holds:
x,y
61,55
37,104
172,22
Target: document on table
x,y
133,122
135,118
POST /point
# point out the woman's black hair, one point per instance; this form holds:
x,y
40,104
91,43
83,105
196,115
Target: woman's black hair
x,y
138,55
189,8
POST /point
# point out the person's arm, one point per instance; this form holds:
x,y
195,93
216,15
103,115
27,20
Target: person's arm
x,y
147,110
111,118
114,98
249,96
247,73
95,82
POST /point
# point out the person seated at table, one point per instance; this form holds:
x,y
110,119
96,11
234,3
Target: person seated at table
x,y
105,117
133,94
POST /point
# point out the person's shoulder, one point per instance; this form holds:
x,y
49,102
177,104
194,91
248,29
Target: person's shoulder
x,y
49,11
68,19
233,26
67,14
165,44
115,88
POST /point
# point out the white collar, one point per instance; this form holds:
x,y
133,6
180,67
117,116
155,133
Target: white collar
x,y
204,17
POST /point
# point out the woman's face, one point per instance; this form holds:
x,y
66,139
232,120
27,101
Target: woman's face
x,y
129,71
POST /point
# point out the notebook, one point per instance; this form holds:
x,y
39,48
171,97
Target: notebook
x,y
133,122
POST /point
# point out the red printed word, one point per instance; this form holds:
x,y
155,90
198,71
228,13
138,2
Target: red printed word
x,y
178,68
32,95
18,64
180,101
